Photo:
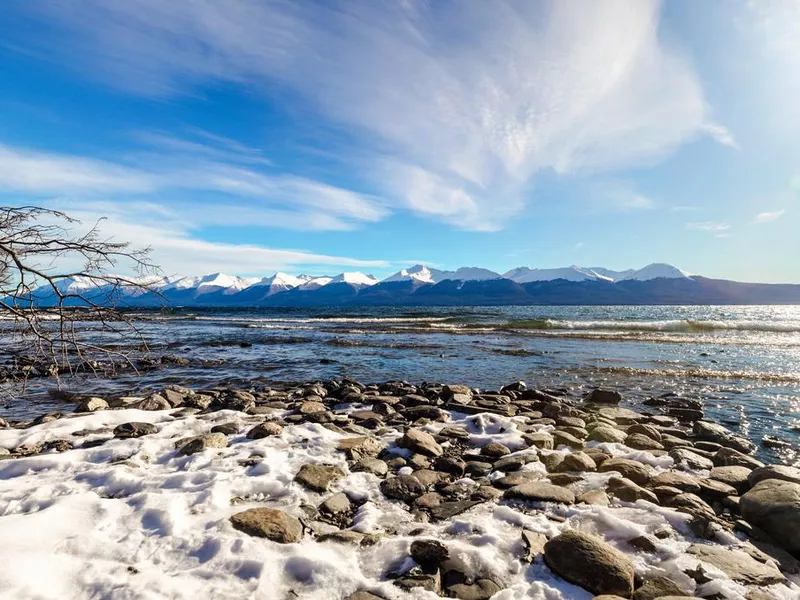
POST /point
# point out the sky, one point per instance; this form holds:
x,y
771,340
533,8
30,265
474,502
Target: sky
x,y
249,136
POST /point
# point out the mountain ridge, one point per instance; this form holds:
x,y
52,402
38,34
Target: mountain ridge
x,y
657,283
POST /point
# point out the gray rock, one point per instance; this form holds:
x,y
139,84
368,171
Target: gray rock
x,y
736,477
363,595
539,491
591,563
269,523
599,396
713,432
627,491
230,428
448,510
265,429
494,450
91,405
318,477
737,565
420,441
773,505
402,487
562,438
358,448
782,472
153,402
134,429
516,478
204,442
639,441
725,457
657,587
576,461
686,459
593,497
429,552
336,505
631,469
607,433
539,440
371,465
533,542
676,479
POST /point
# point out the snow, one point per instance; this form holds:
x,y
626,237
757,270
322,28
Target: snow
x,y
316,283
577,273
281,282
355,278
133,519
423,274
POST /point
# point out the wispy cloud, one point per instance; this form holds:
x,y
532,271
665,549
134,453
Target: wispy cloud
x,y
767,217
177,248
710,226
579,245
453,112
261,197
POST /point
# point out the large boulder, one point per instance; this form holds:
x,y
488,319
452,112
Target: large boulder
x,y
318,477
783,472
538,491
714,432
591,563
421,442
774,506
737,565
269,523
204,442
604,397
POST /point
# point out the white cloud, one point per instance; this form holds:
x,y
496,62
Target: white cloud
x,y
453,112
767,217
579,245
261,197
710,226
177,249
720,134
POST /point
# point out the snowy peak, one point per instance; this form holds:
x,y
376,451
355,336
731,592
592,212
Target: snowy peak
x,y
423,274
354,278
577,273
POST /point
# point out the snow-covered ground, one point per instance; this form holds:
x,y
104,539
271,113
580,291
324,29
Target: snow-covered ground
x,y
134,519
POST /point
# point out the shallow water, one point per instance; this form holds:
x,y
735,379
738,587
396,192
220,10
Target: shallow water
x,y
743,362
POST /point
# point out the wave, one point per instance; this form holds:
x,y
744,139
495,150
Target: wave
x,y
311,320
704,374
674,325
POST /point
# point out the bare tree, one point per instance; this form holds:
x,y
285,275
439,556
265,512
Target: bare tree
x,y
42,252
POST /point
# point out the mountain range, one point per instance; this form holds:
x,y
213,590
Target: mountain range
x,y
421,285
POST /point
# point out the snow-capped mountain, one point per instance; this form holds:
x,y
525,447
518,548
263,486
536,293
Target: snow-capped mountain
x,y
280,282
354,278
576,273
423,274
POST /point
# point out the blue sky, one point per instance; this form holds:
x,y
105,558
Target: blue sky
x,y
253,136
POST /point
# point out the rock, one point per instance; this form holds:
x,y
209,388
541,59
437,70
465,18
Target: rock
x,y
773,505
336,505
515,462
494,450
533,543
269,523
539,440
358,448
402,487
691,505
516,478
539,491
318,477
448,510
576,461
676,479
607,434
265,429
134,429
736,477
591,563
420,441
363,595
482,589
686,459
91,405
725,457
647,430
562,438
645,543
781,472
713,432
153,402
429,552
635,471
429,500
450,464
204,442
230,428
737,565
657,587
310,406
371,465
639,441
599,396
593,497
627,491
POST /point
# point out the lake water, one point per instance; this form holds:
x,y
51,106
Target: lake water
x,y
742,362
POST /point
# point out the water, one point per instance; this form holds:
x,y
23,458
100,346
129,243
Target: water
x,y
742,362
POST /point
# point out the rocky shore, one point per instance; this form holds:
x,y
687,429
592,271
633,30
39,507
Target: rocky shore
x,y
333,490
